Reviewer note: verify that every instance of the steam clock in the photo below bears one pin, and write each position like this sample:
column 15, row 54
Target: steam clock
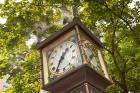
column 72, row 61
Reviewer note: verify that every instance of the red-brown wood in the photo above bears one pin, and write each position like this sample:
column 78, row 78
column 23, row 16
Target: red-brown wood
column 76, row 78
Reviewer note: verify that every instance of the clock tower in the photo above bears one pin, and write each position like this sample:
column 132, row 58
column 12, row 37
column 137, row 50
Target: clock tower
column 72, row 61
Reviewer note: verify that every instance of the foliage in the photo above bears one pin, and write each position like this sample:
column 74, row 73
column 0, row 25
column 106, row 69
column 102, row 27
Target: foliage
column 25, row 76
column 118, row 26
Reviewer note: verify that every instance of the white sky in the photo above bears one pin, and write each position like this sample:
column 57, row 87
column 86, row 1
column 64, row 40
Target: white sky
column 2, row 20
column 32, row 40
column 1, row 1
column 132, row 5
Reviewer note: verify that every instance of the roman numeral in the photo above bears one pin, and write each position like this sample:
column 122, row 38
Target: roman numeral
column 55, row 51
column 52, row 57
column 71, row 46
column 73, row 57
column 51, row 64
column 64, row 69
column 57, row 70
column 73, row 50
column 61, row 46
column 53, row 68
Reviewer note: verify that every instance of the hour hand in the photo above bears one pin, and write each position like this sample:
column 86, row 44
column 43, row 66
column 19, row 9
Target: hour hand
column 58, row 64
column 62, row 57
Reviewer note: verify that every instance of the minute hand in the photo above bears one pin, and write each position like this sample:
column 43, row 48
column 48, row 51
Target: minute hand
column 62, row 57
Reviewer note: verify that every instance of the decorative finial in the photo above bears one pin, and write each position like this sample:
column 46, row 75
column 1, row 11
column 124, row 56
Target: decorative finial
column 64, row 14
column 75, row 13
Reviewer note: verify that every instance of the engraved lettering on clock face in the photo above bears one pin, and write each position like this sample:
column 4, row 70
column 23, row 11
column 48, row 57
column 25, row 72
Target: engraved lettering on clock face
column 62, row 57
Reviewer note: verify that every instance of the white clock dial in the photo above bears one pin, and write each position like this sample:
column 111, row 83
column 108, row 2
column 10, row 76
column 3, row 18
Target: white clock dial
column 62, row 58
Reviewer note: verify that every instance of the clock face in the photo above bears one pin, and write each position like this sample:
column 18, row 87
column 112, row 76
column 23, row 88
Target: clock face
column 92, row 56
column 62, row 58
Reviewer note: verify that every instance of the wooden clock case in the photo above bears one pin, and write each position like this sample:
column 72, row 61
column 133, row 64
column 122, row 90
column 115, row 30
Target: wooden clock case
column 82, row 79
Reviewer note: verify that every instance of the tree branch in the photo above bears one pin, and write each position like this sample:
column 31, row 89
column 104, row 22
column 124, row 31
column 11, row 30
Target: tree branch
column 119, row 16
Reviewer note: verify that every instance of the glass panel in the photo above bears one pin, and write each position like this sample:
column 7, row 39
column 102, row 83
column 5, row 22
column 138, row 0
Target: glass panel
column 64, row 57
column 91, row 51
column 92, row 55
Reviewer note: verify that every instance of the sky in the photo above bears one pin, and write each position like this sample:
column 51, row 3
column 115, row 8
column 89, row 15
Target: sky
column 1, row 1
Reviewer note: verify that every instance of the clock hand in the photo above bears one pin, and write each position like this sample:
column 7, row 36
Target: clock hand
column 62, row 57
column 59, row 63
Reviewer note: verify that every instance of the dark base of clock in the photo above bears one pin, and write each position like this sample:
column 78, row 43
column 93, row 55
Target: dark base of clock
column 83, row 79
